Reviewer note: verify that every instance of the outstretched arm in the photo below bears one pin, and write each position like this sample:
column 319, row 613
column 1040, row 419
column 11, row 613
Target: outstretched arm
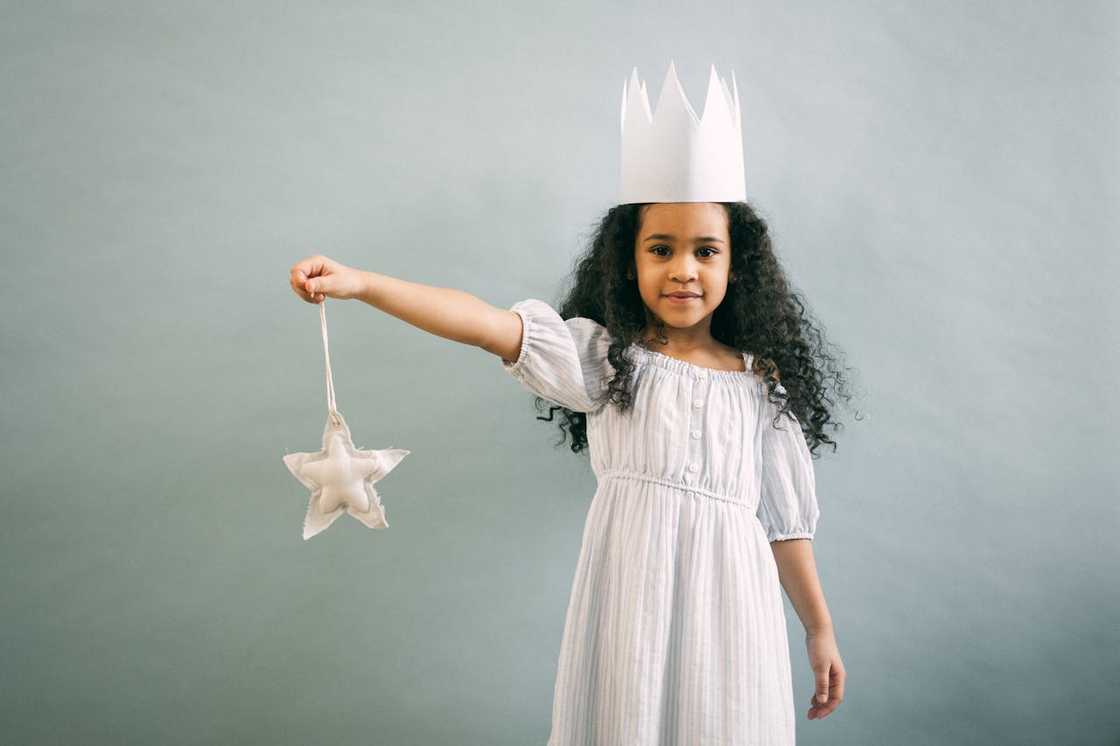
column 446, row 312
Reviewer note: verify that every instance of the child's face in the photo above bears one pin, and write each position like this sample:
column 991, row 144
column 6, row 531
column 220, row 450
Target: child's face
column 683, row 246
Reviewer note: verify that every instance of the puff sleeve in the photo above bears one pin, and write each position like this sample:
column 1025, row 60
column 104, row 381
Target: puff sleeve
column 788, row 503
column 563, row 361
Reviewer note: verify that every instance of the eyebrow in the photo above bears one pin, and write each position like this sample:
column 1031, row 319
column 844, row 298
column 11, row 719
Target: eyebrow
column 670, row 237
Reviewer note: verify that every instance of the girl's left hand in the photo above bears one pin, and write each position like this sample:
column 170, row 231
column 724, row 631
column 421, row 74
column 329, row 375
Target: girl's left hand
column 828, row 670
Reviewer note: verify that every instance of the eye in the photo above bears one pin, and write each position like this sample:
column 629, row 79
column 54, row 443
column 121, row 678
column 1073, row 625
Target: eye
column 702, row 248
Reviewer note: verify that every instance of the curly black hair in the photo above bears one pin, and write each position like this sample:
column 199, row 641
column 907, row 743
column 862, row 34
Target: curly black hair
column 760, row 314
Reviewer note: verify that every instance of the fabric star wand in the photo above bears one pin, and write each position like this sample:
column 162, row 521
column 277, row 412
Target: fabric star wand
column 340, row 476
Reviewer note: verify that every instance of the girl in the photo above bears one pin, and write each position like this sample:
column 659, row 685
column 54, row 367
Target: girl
column 664, row 361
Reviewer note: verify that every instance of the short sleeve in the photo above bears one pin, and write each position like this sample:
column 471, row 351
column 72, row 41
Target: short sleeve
column 563, row 361
column 788, row 503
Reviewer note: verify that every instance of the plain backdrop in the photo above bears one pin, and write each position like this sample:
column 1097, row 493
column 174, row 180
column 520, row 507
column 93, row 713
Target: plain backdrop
column 941, row 180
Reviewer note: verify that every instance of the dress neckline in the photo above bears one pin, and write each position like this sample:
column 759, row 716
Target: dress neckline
column 661, row 360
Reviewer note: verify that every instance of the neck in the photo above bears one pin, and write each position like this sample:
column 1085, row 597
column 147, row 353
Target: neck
column 681, row 340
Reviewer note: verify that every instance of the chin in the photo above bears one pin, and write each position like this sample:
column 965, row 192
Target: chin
column 685, row 317
column 693, row 305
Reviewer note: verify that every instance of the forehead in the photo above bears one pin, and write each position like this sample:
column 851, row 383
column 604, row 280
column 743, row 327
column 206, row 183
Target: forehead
column 684, row 219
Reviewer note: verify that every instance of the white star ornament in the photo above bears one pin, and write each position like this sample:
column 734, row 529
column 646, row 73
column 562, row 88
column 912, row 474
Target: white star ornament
column 341, row 479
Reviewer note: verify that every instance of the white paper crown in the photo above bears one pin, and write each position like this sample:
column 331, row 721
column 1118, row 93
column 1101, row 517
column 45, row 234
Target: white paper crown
column 671, row 155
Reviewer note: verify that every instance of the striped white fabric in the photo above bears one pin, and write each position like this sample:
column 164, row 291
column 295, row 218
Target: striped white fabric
column 675, row 632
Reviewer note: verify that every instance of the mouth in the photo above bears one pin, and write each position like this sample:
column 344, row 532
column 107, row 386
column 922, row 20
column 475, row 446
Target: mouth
column 682, row 297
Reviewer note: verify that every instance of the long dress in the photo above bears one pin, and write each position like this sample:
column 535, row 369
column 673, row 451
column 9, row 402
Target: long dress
column 675, row 633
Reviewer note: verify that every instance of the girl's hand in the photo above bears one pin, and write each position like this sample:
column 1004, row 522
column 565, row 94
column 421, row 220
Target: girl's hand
column 317, row 277
column 828, row 670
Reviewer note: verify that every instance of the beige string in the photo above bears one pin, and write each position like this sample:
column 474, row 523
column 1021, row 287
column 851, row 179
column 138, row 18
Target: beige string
column 332, row 407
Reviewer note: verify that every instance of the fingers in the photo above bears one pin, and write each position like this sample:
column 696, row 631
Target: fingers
column 818, row 710
column 821, row 677
column 318, row 277
column 301, row 274
column 838, row 687
column 321, row 287
column 833, row 691
column 298, row 280
column 313, row 266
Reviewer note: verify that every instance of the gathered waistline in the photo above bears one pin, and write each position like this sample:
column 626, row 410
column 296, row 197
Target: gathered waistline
column 638, row 476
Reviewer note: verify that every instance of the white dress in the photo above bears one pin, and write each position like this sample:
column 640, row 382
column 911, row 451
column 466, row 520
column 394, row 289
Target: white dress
column 675, row 633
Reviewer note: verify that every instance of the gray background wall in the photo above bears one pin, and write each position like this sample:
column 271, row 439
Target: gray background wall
column 941, row 180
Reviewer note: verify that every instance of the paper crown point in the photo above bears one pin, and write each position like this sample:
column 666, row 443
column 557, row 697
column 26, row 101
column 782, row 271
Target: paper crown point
column 670, row 154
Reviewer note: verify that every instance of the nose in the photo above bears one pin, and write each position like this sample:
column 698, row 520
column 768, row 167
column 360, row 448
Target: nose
column 683, row 269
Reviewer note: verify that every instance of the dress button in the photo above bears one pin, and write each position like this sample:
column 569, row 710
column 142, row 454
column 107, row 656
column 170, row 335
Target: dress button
column 698, row 403
column 693, row 467
column 696, row 433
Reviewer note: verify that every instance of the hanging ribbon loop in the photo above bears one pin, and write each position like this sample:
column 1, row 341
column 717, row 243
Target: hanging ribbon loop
column 332, row 407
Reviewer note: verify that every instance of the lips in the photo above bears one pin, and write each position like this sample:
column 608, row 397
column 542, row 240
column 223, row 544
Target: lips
column 684, row 295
